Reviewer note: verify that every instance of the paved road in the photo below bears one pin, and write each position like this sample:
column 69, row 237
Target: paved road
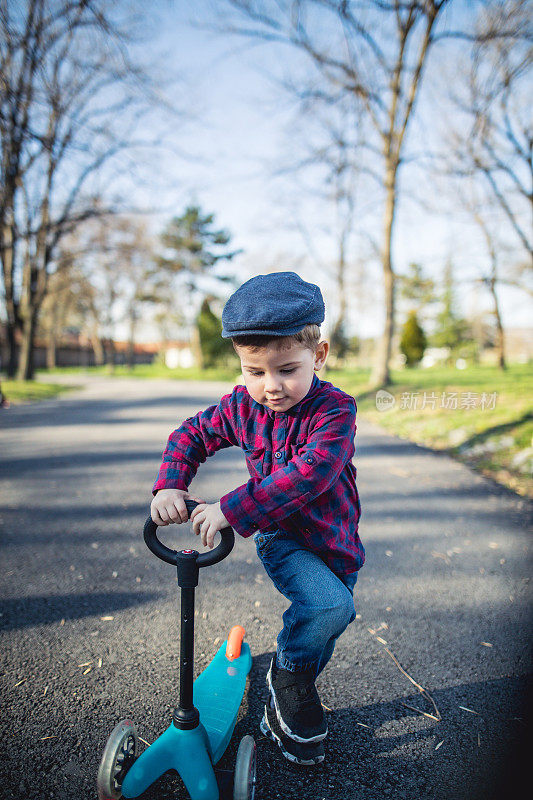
column 89, row 616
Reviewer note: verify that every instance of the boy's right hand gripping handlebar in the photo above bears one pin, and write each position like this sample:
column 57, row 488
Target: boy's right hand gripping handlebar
column 223, row 549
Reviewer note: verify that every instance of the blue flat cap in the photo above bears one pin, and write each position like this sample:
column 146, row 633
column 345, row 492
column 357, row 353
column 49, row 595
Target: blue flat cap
column 279, row 304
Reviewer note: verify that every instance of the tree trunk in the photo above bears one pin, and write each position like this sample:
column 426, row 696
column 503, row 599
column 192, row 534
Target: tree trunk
column 13, row 319
column 500, row 335
column 341, row 286
column 110, row 354
column 34, row 287
column 12, row 363
column 381, row 371
column 98, row 349
column 130, row 355
column 51, row 344
column 25, row 371
column 56, row 325
column 196, row 347
column 28, row 313
column 340, row 324
column 491, row 283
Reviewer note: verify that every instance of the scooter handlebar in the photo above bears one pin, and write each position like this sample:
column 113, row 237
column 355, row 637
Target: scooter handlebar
column 165, row 553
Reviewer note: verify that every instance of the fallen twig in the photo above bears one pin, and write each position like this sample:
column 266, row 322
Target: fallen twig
column 421, row 689
column 419, row 710
column 464, row 708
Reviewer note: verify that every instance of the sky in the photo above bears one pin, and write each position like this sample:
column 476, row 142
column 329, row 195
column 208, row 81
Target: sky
column 238, row 126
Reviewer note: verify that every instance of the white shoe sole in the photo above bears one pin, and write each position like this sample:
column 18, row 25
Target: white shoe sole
column 267, row 731
column 284, row 727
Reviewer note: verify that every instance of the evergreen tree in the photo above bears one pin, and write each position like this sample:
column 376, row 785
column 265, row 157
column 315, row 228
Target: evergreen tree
column 339, row 342
column 213, row 346
column 452, row 330
column 417, row 290
column 413, row 340
column 193, row 246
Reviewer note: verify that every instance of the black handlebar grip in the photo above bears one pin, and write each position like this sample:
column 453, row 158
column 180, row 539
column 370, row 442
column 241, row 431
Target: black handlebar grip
column 165, row 553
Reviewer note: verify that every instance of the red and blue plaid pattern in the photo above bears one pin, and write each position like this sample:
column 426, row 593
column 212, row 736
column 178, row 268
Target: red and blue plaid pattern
column 302, row 479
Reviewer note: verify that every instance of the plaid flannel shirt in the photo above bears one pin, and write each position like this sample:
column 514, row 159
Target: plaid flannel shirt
column 302, row 479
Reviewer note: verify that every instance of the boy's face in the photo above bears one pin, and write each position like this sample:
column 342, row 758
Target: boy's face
column 280, row 378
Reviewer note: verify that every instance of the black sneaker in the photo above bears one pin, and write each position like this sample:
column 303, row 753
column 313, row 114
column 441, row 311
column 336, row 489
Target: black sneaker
column 305, row 754
column 298, row 707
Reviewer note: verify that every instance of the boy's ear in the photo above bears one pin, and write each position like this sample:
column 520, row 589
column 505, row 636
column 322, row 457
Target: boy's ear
column 321, row 355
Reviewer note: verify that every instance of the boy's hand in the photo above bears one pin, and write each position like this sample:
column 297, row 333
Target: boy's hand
column 207, row 519
column 168, row 506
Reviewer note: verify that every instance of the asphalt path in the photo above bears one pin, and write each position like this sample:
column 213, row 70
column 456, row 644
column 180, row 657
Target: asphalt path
column 89, row 625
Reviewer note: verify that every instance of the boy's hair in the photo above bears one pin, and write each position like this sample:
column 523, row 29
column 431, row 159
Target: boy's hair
column 309, row 337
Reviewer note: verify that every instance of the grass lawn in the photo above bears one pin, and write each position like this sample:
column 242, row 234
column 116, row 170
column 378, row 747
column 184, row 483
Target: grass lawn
column 150, row 371
column 30, row 391
column 480, row 415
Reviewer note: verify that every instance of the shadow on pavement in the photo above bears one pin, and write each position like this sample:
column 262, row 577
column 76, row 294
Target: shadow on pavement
column 367, row 745
column 480, row 755
column 84, row 459
column 90, row 411
column 22, row 612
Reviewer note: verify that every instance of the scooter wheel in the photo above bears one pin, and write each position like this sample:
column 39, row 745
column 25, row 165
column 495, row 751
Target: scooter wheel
column 119, row 754
column 244, row 781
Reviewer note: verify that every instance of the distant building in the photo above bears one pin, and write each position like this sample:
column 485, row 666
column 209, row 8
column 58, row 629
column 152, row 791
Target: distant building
column 519, row 345
column 75, row 350
column 179, row 355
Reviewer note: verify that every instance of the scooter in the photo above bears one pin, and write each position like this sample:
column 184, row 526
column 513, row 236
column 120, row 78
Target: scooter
column 203, row 722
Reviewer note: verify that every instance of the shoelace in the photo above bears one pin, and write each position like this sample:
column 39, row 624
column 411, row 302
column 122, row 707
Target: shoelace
column 305, row 697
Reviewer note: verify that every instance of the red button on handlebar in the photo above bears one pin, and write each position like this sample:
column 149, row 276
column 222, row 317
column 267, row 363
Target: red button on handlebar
column 187, row 552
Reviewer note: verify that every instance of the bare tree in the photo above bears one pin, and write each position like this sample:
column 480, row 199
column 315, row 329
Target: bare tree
column 102, row 265
column 59, row 304
column 71, row 102
column 376, row 51
column 490, row 281
column 328, row 140
column 491, row 148
column 71, row 304
column 105, row 274
column 498, row 143
column 135, row 262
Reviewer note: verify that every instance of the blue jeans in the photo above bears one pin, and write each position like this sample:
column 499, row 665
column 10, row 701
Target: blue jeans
column 321, row 603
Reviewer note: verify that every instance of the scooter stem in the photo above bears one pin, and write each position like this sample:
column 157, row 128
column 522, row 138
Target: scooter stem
column 186, row 716
column 188, row 562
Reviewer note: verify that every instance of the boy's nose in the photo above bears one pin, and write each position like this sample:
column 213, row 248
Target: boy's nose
column 272, row 384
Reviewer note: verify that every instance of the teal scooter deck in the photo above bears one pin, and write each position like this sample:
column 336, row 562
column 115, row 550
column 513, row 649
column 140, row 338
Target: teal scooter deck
column 217, row 694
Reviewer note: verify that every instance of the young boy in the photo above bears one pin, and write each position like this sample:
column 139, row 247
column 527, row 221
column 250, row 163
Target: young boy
column 301, row 500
